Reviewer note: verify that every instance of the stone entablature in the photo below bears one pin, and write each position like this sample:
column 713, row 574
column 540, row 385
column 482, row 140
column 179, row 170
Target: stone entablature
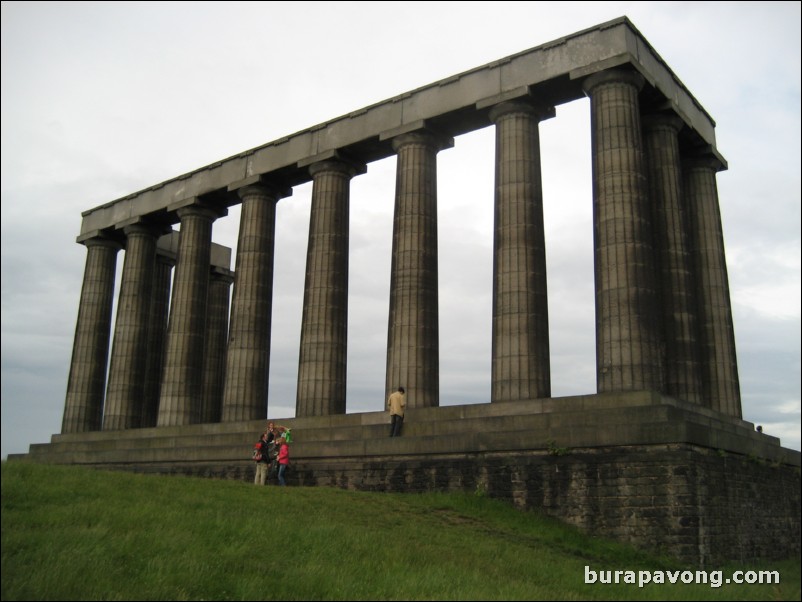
column 552, row 72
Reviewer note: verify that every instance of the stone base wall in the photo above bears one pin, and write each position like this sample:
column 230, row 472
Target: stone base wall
column 640, row 468
column 702, row 506
column 699, row 505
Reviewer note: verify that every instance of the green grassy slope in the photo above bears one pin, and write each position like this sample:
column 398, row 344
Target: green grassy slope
column 74, row 534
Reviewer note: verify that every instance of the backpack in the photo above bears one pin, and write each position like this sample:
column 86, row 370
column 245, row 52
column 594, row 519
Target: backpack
column 256, row 456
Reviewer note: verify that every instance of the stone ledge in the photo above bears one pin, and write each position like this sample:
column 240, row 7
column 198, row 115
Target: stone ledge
column 639, row 418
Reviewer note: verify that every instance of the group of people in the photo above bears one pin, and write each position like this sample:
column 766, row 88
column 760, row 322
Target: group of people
column 272, row 451
column 272, row 454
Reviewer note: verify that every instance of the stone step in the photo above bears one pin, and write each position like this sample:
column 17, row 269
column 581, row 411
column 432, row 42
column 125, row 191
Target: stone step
column 548, row 424
column 515, row 408
column 458, row 422
column 635, row 425
column 454, row 421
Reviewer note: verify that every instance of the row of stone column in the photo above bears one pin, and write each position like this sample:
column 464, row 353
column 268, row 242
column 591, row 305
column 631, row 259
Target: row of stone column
column 663, row 317
column 132, row 395
column 663, row 314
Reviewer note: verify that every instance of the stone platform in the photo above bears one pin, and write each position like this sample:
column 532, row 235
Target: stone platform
column 640, row 467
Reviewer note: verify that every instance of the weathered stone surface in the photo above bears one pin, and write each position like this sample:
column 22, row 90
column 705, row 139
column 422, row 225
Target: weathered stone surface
column 126, row 383
column 678, row 316
column 183, row 371
column 413, row 340
column 717, row 341
column 83, row 408
column 323, row 357
column 627, row 328
column 157, row 336
column 214, row 357
column 521, row 367
column 557, row 67
column 248, row 356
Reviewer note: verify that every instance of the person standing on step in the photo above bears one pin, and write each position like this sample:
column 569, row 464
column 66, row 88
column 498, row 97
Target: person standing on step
column 396, row 404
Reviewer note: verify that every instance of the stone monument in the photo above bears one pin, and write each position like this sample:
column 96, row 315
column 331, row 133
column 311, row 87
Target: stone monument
column 658, row 455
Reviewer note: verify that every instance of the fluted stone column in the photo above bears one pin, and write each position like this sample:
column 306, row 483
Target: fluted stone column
column 681, row 370
column 413, row 357
column 521, row 366
column 157, row 336
column 627, row 330
column 214, row 360
column 248, row 359
column 83, row 407
column 126, row 386
column 324, row 329
column 717, row 348
column 180, row 398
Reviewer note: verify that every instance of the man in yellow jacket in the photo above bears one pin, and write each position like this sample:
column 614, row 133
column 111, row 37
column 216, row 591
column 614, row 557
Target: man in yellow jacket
column 396, row 404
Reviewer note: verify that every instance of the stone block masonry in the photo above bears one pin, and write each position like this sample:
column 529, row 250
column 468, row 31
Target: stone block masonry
column 699, row 505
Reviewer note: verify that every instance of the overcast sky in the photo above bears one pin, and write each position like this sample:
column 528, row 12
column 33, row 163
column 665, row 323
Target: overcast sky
column 100, row 100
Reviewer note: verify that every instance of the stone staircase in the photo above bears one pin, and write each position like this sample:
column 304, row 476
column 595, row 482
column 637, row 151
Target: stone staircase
column 548, row 425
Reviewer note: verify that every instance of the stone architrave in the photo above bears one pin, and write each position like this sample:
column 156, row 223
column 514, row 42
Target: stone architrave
column 126, row 385
column 681, row 371
column 413, row 356
column 179, row 402
column 717, row 338
column 322, row 366
column 521, row 366
column 248, row 357
column 627, row 330
column 83, row 407
column 214, row 358
column 157, row 334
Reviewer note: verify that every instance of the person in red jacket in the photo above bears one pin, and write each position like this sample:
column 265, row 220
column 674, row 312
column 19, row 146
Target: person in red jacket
column 283, row 459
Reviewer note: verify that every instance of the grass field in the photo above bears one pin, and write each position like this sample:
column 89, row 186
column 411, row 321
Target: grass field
column 74, row 534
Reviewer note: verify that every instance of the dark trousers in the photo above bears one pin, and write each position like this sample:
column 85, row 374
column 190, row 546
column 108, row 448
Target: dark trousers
column 395, row 425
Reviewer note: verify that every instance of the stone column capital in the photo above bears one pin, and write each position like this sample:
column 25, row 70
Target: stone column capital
column 198, row 211
column 613, row 76
column 102, row 240
column 219, row 274
column 263, row 189
column 426, row 137
column 144, row 229
column 165, row 258
column 538, row 111
column 703, row 160
column 668, row 120
column 340, row 166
